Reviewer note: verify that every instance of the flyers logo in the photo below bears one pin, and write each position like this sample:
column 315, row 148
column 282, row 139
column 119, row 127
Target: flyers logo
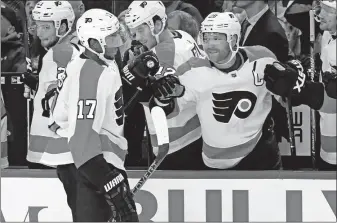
column 61, row 77
column 119, row 106
column 239, row 103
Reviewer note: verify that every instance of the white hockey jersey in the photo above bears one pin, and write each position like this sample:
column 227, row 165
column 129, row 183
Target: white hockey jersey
column 89, row 113
column 328, row 111
column 175, row 53
column 42, row 141
column 232, row 107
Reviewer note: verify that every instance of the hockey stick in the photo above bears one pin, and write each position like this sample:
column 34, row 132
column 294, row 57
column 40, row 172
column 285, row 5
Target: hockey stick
column 160, row 125
column 312, row 76
column 289, row 111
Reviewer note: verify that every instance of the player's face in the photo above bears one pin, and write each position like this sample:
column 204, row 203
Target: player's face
column 216, row 47
column 143, row 34
column 112, row 43
column 327, row 16
column 46, row 32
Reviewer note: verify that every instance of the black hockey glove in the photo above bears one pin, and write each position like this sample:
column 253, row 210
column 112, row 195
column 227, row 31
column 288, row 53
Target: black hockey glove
column 330, row 82
column 137, row 71
column 118, row 195
column 281, row 79
column 305, row 61
column 110, row 182
column 30, row 79
column 135, row 50
column 166, row 88
column 52, row 90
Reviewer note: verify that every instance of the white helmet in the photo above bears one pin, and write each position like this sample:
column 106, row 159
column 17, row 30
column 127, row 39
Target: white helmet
column 224, row 22
column 140, row 12
column 55, row 11
column 318, row 6
column 97, row 24
column 330, row 3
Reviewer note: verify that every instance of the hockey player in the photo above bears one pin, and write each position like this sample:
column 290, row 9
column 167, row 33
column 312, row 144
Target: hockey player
column 54, row 20
column 89, row 113
column 230, row 97
column 321, row 96
column 147, row 22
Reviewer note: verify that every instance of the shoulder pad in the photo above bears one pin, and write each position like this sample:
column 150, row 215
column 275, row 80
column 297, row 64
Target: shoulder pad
column 253, row 53
column 62, row 54
column 166, row 52
column 193, row 62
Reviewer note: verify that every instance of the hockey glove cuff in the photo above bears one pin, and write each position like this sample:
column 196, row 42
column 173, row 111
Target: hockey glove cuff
column 167, row 88
column 135, row 50
column 112, row 184
column 138, row 70
column 281, row 78
column 330, row 82
column 30, row 79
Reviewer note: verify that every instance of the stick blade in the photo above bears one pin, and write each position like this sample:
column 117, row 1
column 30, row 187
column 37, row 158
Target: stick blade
column 160, row 125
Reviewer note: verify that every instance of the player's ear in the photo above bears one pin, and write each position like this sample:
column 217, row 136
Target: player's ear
column 94, row 44
column 234, row 42
column 158, row 26
column 63, row 27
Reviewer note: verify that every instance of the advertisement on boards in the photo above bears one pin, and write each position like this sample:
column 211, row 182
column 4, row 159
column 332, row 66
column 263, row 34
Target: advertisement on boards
column 301, row 124
column 185, row 200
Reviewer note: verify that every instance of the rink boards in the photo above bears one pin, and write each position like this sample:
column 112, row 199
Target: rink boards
column 203, row 196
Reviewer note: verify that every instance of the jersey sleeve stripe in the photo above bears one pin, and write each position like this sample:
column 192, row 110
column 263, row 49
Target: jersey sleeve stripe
column 85, row 143
column 62, row 54
column 176, row 133
column 221, row 158
column 329, row 105
column 258, row 52
column 194, row 62
column 109, row 146
column 166, row 52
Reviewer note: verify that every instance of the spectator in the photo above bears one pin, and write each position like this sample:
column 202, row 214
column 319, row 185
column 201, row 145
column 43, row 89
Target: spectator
column 293, row 33
column 180, row 20
column 173, row 5
column 297, row 14
column 79, row 9
column 125, row 33
column 261, row 27
column 35, row 50
column 12, row 49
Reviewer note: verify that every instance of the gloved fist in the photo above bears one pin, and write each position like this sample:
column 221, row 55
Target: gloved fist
column 135, row 50
column 167, row 88
column 137, row 71
column 330, row 81
column 281, row 79
column 30, row 79
column 119, row 197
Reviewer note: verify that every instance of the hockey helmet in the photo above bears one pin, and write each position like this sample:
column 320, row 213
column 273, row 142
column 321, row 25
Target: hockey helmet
column 223, row 22
column 329, row 3
column 98, row 24
column 55, row 11
column 140, row 12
